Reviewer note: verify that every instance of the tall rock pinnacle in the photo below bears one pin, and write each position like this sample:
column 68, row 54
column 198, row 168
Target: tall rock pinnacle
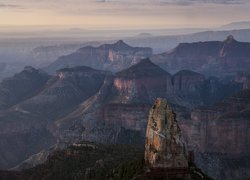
column 165, row 147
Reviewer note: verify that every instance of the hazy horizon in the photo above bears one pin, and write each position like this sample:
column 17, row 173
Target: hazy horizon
column 121, row 14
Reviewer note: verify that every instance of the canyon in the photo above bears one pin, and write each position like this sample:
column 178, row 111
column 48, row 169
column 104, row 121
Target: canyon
column 110, row 104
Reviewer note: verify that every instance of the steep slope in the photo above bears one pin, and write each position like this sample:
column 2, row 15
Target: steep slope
column 113, row 57
column 67, row 89
column 213, row 57
column 21, row 86
column 26, row 124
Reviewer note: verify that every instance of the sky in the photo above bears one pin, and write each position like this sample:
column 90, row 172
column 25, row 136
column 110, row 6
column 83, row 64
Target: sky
column 123, row 14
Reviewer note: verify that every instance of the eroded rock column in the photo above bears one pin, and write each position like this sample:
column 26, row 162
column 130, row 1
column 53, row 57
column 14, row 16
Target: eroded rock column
column 165, row 147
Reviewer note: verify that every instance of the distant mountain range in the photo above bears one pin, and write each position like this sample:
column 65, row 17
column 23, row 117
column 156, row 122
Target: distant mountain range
column 236, row 25
column 211, row 58
column 164, row 43
column 113, row 57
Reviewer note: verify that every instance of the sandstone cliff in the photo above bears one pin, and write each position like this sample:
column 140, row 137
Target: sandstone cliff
column 165, row 147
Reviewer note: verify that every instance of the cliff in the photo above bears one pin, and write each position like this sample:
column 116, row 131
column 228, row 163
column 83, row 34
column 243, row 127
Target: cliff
column 165, row 147
column 142, row 82
column 221, row 125
column 219, row 134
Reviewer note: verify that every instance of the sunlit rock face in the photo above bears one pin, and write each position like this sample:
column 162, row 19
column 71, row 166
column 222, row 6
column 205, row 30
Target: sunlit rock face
column 142, row 82
column 165, row 147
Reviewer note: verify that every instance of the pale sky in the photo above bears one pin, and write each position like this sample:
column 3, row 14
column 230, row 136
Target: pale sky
column 119, row 14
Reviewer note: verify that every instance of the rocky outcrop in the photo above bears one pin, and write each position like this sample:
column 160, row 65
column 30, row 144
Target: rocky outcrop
column 212, row 58
column 165, row 147
column 112, row 57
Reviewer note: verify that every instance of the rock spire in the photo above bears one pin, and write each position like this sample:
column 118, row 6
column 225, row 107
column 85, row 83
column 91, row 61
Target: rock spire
column 165, row 147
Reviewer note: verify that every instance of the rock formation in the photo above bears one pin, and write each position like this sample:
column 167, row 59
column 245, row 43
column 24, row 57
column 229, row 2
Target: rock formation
column 165, row 147
column 142, row 82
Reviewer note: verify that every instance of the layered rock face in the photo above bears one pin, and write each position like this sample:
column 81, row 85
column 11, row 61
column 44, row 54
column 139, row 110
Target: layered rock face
column 165, row 147
column 145, row 81
column 220, row 135
column 223, row 126
column 212, row 58
column 142, row 82
column 112, row 57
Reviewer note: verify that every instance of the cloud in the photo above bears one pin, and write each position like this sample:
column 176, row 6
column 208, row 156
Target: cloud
column 11, row 6
column 219, row 1
column 174, row 2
